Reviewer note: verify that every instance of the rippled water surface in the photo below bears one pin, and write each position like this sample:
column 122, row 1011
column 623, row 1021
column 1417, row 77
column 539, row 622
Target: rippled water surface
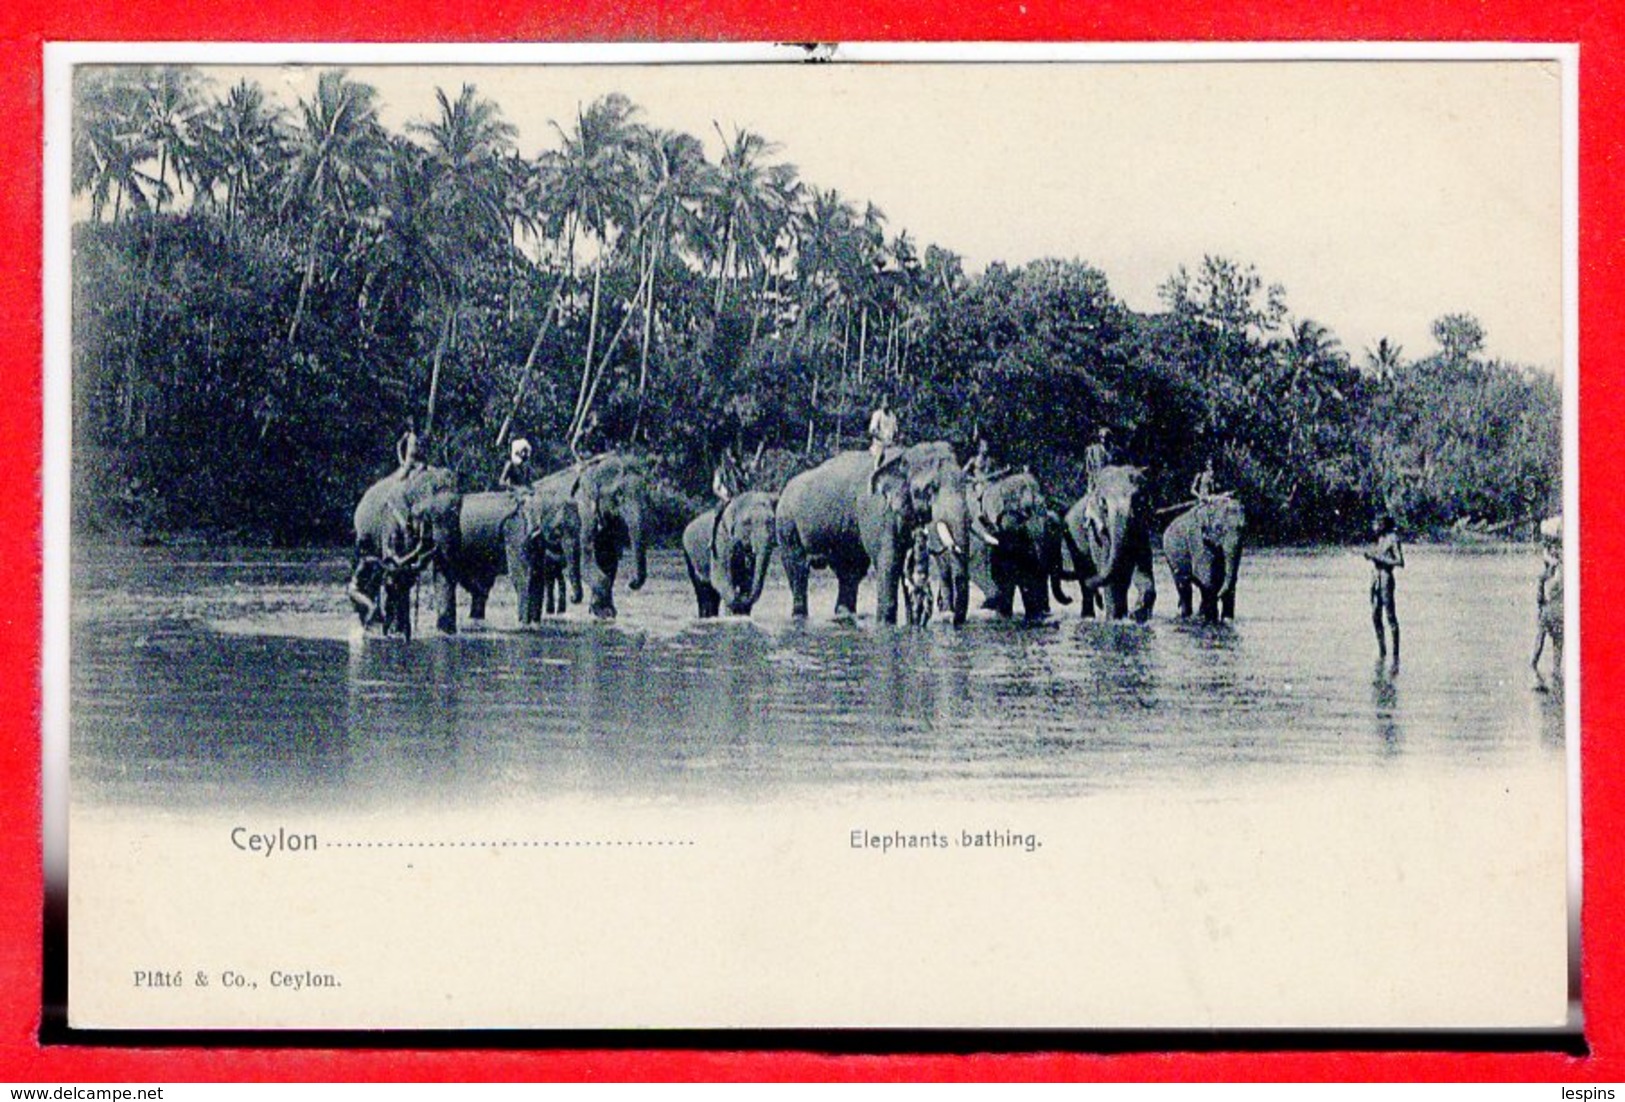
column 208, row 676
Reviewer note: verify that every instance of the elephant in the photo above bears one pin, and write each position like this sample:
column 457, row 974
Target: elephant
column 556, row 558
column 403, row 525
column 850, row 513
column 610, row 493
column 728, row 552
column 1024, row 553
column 1203, row 547
column 1108, row 535
column 530, row 535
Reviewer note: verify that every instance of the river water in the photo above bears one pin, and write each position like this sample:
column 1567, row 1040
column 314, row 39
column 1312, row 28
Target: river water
column 207, row 678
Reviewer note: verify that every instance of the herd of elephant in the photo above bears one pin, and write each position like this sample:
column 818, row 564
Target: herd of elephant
column 565, row 536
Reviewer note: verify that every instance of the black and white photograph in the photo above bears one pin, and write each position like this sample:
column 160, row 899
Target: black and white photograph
column 778, row 537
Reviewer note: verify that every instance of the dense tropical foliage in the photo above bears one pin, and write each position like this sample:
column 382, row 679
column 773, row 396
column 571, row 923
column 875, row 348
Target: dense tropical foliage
column 266, row 298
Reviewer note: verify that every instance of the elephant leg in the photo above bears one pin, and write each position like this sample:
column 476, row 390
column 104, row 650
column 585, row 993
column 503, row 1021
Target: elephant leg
column 1146, row 583
column 398, row 618
column 572, row 567
column 888, row 578
column 708, row 600
column 997, row 599
column 1227, row 605
column 526, row 584
column 796, row 570
column 479, row 591
column 1182, row 588
column 1035, row 596
column 846, row 592
column 446, row 591
column 544, row 588
column 601, row 580
column 700, row 586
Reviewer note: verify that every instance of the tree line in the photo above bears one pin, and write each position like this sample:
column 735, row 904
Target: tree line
column 265, row 298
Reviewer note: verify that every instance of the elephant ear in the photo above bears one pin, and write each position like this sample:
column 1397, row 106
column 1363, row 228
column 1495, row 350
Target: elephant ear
column 924, row 482
column 891, row 481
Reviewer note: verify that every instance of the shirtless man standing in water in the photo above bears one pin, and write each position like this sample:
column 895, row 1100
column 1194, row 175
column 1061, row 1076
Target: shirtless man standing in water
column 1385, row 559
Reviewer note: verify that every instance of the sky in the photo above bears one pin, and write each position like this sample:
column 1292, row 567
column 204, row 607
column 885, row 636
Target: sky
column 1381, row 195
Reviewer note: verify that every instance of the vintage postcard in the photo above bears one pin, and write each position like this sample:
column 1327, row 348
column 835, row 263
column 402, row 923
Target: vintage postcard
column 760, row 537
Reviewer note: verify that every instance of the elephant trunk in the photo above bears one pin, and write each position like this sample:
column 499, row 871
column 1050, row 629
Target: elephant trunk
column 1229, row 554
column 447, row 551
column 365, row 605
column 764, row 553
column 572, row 552
column 953, row 524
column 1115, row 536
column 632, row 514
column 1055, row 589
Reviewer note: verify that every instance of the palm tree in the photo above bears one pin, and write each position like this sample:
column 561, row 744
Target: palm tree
column 867, row 263
column 1310, row 362
column 242, row 141
column 337, row 158
column 823, row 227
column 593, row 180
column 1385, row 360
column 108, row 146
column 468, row 209
column 167, row 110
column 1301, row 375
column 677, row 183
column 751, row 199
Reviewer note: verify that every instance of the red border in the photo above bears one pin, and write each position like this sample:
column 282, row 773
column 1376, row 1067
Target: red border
column 26, row 24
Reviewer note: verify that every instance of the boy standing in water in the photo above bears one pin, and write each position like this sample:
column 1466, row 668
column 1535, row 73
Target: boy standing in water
column 1549, row 601
column 1385, row 559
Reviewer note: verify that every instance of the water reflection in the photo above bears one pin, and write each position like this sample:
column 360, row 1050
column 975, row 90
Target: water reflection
column 252, row 682
column 1385, row 708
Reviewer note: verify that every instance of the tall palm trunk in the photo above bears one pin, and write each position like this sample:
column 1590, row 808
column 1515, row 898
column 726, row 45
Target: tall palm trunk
column 756, row 314
column 812, row 412
column 863, row 342
column 309, row 278
column 446, row 325
column 648, row 334
column 580, row 411
column 603, row 365
column 134, row 414
column 726, row 263
column 548, row 312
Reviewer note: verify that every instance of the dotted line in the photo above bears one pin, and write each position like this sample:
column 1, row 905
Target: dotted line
column 556, row 843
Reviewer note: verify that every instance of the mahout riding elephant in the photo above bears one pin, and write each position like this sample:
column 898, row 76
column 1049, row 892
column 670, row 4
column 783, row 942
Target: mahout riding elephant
column 728, row 552
column 1203, row 548
column 1108, row 531
column 532, row 536
column 611, row 495
column 1017, row 545
column 405, row 524
column 849, row 514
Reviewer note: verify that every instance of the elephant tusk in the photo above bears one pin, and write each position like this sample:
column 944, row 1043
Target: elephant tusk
column 983, row 534
column 947, row 536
